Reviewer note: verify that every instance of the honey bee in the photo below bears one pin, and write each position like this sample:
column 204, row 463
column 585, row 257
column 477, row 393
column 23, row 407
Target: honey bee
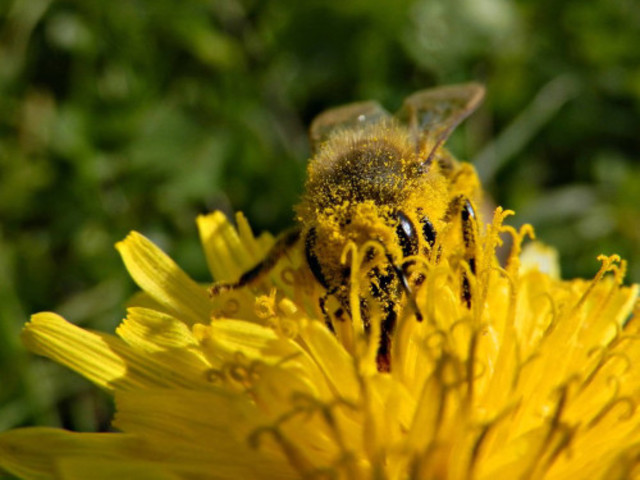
column 385, row 181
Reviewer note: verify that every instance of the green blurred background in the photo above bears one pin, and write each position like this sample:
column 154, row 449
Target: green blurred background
column 142, row 114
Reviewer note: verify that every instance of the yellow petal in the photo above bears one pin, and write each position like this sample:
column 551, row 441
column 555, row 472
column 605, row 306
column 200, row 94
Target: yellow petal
column 226, row 339
column 538, row 256
column 207, row 430
column 334, row 361
column 257, row 246
column 228, row 253
column 163, row 280
column 104, row 359
column 168, row 345
column 204, row 416
column 245, row 355
column 34, row 453
column 93, row 355
column 154, row 331
column 90, row 467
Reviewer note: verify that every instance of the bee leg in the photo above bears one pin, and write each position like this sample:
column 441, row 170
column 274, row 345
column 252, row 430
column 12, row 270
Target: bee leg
column 401, row 275
column 381, row 291
column 462, row 206
column 468, row 217
column 404, row 283
column 388, row 325
column 283, row 244
column 323, row 308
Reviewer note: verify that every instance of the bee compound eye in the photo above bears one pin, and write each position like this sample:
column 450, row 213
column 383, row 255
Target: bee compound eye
column 468, row 213
column 406, row 233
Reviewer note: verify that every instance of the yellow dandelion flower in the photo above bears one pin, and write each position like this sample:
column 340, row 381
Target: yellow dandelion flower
column 540, row 378
column 358, row 347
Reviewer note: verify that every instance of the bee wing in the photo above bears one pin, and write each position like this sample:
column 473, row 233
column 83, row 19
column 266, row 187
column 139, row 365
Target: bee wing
column 434, row 113
column 345, row 117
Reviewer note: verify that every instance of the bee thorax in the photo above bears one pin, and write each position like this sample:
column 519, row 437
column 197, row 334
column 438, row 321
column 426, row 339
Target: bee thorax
column 378, row 165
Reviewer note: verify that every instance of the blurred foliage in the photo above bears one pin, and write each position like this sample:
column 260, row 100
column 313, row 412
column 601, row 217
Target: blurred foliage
column 141, row 114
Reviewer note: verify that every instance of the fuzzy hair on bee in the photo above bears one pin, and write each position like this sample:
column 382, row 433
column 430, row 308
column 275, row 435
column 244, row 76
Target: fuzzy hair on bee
column 385, row 183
